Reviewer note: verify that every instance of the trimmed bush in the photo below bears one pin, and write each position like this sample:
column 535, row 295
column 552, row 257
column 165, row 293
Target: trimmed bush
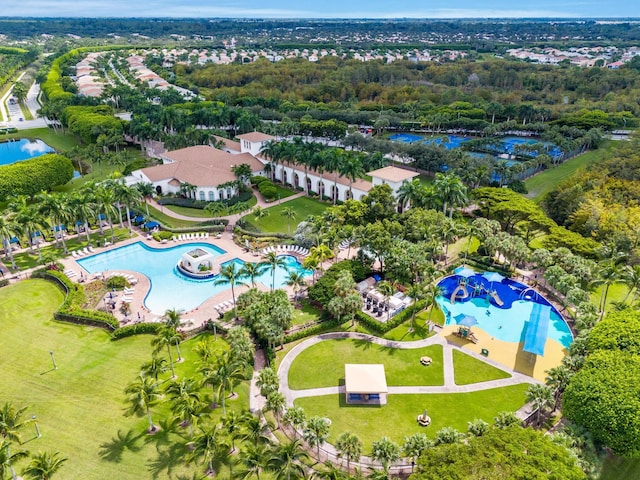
column 258, row 179
column 315, row 330
column 137, row 329
column 243, row 196
column 267, row 236
column 162, row 235
column 118, row 282
column 30, row 177
column 268, row 191
column 323, row 290
column 4, row 282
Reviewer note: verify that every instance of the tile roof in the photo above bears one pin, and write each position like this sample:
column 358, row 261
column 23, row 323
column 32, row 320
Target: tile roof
column 255, row 137
column 202, row 166
column 393, row 174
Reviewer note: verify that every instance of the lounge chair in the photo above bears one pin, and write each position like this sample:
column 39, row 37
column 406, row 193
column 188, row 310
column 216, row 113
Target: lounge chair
column 127, row 299
column 85, row 251
column 80, row 253
column 70, row 273
column 107, row 244
column 74, row 254
column 206, row 235
column 90, row 248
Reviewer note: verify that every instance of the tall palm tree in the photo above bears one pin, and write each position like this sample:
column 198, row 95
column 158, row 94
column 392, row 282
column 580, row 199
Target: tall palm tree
column 608, row 274
column 290, row 214
column 254, row 459
column 417, row 293
column 296, row 280
column 452, row 191
column 259, row 213
column 431, row 293
column 631, row 278
column 44, row 465
column 106, row 201
column 273, row 261
column 558, row 379
column 287, row 462
column 316, row 431
column 410, row 193
column 154, row 367
column 231, row 275
column 252, row 270
column 272, row 150
column 8, row 459
column 10, row 422
column 386, row 452
column 349, row 446
column 322, row 253
column 226, row 374
column 256, row 429
column 334, row 160
column 186, row 403
column 352, row 169
column 166, row 337
column 142, row 395
column 276, row 403
column 172, row 317
column 8, row 229
column 147, row 191
column 210, row 447
column 540, row 397
column 82, row 208
column 129, row 197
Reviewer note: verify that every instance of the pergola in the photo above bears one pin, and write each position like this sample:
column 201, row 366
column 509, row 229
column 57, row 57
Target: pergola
column 365, row 384
column 197, row 260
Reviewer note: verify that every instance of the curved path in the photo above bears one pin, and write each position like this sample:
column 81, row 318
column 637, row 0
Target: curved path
column 449, row 383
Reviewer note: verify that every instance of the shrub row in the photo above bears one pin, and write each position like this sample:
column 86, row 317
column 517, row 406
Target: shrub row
column 136, row 329
column 243, row 196
column 486, row 263
column 314, row 330
column 275, row 235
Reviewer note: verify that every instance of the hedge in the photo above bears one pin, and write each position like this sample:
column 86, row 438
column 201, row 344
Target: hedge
column 315, row 330
column 4, row 282
column 136, row 329
column 243, row 196
column 378, row 326
column 249, row 233
column 31, row 177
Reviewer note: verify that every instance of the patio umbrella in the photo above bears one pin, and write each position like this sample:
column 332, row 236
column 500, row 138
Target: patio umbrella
column 463, row 271
column 466, row 320
column 151, row 225
column 492, row 277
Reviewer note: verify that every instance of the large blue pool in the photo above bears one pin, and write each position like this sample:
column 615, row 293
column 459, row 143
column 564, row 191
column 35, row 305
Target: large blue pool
column 510, row 321
column 23, row 149
column 170, row 289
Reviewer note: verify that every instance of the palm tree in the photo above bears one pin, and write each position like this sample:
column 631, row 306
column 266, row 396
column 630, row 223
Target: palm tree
column 287, row 462
column 147, row 191
column 410, row 193
column 254, row 459
column 272, row 150
column 172, row 318
column 106, row 200
column 608, row 274
column 154, row 367
column 256, row 429
column 290, row 214
column 276, row 404
column 334, row 160
column 631, row 278
column 44, row 465
column 296, row 280
column 540, row 397
column 322, row 253
column 10, row 422
column 226, row 373
column 316, row 432
column 417, row 293
column 142, row 395
column 386, row 452
column 209, row 446
column 558, row 379
column 273, row 261
column 352, row 169
column 166, row 337
column 431, row 293
column 8, row 459
column 186, row 403
column 452, row 191
column 414, row 446
column 387, row 289
column 230, row 274
column 232, row 425
column 252, row 270
column 8, row 229
column 296, row 418
column 259, row 213
column 349, row 446
column 129, row 197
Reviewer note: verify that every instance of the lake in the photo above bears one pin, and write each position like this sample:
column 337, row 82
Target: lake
column 14, row 151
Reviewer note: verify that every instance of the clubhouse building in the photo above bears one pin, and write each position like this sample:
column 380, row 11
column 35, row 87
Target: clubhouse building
column 208, row 172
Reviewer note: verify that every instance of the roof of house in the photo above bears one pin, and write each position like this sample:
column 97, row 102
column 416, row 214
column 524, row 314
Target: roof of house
column 256, row 137
column 230, row 144
column 365, row 378
column 393, row 174
column 202, row 166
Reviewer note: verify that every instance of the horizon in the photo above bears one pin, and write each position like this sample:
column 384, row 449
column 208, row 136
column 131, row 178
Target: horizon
column 330, row 10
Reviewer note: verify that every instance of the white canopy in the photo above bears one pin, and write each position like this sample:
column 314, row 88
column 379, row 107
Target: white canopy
column 365, row 378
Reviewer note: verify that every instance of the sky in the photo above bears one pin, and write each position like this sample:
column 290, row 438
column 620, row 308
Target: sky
column 323, row 9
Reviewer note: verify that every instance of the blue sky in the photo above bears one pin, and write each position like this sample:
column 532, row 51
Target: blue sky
column 322, row 9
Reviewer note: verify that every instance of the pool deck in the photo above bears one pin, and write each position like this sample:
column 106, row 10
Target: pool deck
column 192, row 319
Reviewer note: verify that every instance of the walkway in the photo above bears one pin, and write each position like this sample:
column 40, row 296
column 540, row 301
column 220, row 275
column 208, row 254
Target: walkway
column 449, row 382
column 260, row 203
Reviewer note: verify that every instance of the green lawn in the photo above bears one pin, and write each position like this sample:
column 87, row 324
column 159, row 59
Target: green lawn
column 616, row 293
column 168, row 221
column 80, row 406
column 405, row 333
column 398, row 418
column 275, row 222
column 305, row 314
column 470, row 370
column 437, row 316
column 322, row 365
column 542, row 183
column 283, row 192
column 199, row 212
column 60, row 141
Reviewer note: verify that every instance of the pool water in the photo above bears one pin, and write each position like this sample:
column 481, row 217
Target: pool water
column 23, row 149
column 169, row 289
column 507, row 323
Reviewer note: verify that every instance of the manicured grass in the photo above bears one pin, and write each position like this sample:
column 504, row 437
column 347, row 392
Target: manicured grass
column 275, row 222
column 284, row 192
column 80, row 406
column 437, row 316
column 405, row 333
column 29, row 259
column 168, row 221
column 470, row 370
column 60, row 141
column 322, row 365
column 617, row 292
column 398, row 418
column 200, row 212
column 305, row 314
column 620, row 469
column 542, row 183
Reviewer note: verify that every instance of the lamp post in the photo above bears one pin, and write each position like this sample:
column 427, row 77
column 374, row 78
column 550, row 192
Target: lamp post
column 53, row 360
column 35, row 422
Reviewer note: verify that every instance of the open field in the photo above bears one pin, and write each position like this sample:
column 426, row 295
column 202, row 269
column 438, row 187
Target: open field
column 275, row 222
column 398, row 418
column 402, row 367
column 80, row 406
column 542, row 183
column 467, row 369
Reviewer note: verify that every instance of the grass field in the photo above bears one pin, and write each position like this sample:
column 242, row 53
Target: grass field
column 305, row 314
column 168, row 221
column 402, row 367
column 60, row 141
column 398, row 418
column 620, row 469
column 80, row 406
column 467, row 369
column 275, row 222
column 616, row 293
column 542, row 183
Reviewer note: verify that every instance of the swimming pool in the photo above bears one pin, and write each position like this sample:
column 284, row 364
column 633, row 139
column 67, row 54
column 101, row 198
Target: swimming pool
column 22, row 149
column 169, row 289
column 508, row 322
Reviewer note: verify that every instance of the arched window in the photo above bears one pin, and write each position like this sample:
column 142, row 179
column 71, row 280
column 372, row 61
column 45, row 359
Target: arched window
column 211, row 196
column 220, row 194
column 228, row 192
column 201, row 195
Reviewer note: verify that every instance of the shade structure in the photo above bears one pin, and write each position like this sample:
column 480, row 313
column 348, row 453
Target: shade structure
column 493, row 277
column 57, row 228
column 466, row 320
column 138, row 219
column 465, row 272
column 151, row 225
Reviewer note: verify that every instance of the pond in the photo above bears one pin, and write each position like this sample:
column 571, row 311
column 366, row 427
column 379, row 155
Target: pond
column 17, row 150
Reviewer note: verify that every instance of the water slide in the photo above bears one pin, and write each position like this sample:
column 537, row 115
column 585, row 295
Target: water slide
column 461, row 288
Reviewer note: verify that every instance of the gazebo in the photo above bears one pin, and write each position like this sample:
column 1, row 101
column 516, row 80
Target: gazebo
column 197, row 262
column 365, row 384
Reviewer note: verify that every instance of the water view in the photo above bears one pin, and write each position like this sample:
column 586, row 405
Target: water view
column 14, row 151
